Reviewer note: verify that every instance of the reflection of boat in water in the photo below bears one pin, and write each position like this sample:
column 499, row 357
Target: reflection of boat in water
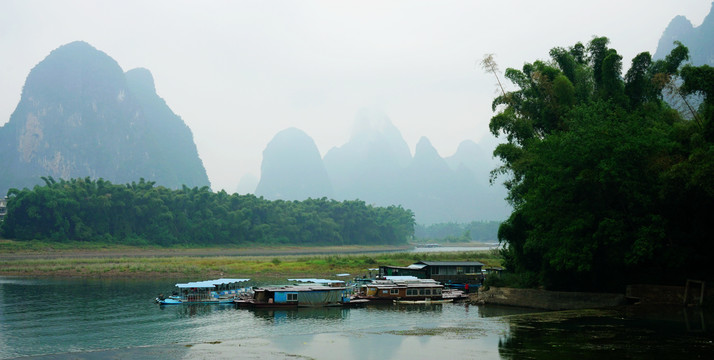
column 219, row 291
column 302, row 313
column 191, row 310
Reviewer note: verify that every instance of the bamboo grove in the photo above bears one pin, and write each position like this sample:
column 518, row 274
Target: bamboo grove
column 144, row 214
column 610, row 176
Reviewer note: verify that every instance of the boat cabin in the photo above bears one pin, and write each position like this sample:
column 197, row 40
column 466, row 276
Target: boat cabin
column 296, row 296
column 325, row 282
column 208, row 291
column 445, row 272
column 401, row 288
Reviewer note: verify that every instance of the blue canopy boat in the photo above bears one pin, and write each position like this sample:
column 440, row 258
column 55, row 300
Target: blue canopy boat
column 219, row 291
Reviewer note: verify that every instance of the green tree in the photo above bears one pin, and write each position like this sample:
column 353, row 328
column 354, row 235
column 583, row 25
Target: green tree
column 602, row 173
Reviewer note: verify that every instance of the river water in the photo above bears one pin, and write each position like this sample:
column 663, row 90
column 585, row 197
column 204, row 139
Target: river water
column 110, row 319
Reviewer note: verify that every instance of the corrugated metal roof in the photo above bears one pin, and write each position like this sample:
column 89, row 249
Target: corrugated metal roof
column 299, row 288
column 451, row 263
column 318, row 281
column 209, row 283
column 401, row 278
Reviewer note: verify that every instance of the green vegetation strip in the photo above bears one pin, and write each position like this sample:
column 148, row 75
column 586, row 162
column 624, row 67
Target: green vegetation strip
column 228, row 266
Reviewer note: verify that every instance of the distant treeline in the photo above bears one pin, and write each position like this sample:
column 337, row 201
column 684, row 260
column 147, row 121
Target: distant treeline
column 144, row 214
column 484, row 231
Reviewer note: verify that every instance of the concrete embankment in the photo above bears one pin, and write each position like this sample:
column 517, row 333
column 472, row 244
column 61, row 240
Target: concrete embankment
column 547, row 300
column 697, row 295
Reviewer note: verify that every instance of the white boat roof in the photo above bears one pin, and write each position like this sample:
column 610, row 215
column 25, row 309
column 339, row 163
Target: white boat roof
column 209, row 283
column 401, row 278
column 317, row 281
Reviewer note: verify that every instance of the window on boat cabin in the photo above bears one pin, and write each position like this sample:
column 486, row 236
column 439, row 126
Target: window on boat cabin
column 421, row 292
column 385, row 291
column 459, row 270
column 427, row 292
column 471, row 270
column 292, row 297
column 412, row 292
column 394, row 291
column 435, row 270
column 437, row 291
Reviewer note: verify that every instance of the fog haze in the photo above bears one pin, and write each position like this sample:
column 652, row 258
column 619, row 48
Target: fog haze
column 238, row 72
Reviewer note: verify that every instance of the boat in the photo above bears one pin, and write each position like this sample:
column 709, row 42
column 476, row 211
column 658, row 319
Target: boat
column 407, row 288
column 218, row 291
column 427, row 301
column 428, row 246
column 314, row 294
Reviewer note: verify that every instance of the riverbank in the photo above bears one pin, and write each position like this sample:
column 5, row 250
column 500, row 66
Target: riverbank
column 546, row 300
column 137, row 262
column 11, row 249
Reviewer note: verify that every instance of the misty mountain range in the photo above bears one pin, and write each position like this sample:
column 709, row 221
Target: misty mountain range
column 80, row 115
column 699, row 40
column 376, row 166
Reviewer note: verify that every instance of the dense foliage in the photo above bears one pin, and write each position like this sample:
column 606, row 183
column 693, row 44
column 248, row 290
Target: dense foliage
column 609, row 184
column 483, row 231
column 141, row 213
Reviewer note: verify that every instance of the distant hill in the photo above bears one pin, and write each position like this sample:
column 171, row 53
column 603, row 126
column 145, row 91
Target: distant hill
column 292, row 169
column 81, row 116
column 369, row 166
column 376, row 166
column 699, row 40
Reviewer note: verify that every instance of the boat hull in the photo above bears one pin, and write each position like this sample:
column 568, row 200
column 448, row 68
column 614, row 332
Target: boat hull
column 182, row 302
column 425, row 302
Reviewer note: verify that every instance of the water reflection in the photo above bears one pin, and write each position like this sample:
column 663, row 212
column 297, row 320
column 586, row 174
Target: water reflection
column 191, row 310
column 83, row 318
column 635, row 332
column 319, row 313
column 488, row 311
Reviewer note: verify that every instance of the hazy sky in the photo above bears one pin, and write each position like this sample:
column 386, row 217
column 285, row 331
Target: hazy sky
column 238, row 72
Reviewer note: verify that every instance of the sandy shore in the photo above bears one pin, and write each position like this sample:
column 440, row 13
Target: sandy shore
column 197, row 252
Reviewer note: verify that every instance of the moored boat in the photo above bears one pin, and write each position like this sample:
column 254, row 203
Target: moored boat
column 293, row 296
column 407, row 288
column 427, row 301
column 219, row 291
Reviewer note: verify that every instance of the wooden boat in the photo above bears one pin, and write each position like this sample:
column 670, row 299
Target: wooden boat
column 219, row 291
column 293, row 296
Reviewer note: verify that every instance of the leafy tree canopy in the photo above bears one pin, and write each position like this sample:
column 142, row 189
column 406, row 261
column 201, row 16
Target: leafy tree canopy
column 142, row 213
column 609, row 184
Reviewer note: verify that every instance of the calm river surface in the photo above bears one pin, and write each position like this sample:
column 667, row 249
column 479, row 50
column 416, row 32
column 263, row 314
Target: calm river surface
column 110, row 319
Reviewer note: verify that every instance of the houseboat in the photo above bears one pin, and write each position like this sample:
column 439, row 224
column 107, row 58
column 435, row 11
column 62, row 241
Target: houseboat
column 402, row 288
column 293, row 296
column 466, row 275
column 219, row 291
column 425, row 301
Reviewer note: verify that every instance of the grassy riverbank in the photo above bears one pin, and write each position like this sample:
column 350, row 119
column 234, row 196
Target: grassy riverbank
column 139, row 262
